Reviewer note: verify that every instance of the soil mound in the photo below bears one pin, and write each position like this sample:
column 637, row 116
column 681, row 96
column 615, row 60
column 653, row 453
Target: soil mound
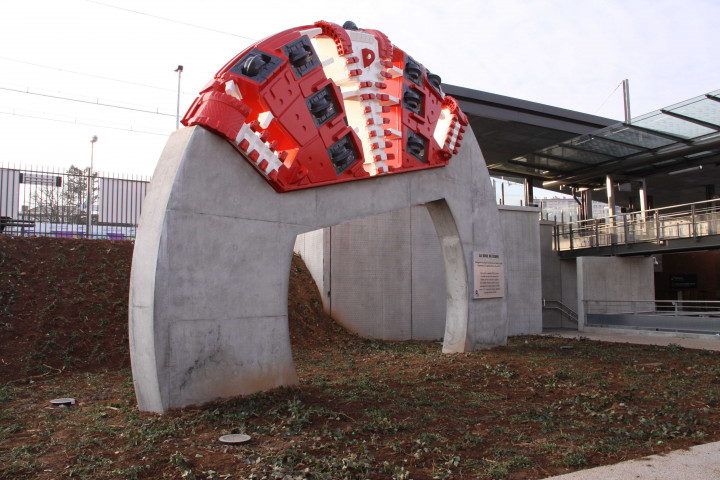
column 64, row 306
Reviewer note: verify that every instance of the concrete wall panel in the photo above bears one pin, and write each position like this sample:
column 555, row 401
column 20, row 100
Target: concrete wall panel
column 428, row 278
column 370, row 276
column 551, row 276
column 310, row 246
column 520, row 227
column 569, row 279
column 614, row 284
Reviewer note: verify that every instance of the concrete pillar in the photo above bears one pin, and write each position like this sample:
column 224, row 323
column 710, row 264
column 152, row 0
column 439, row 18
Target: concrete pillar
column 529, row 200
column 610, row 195
column 587, row 204
column 211, row 265
column 643, row 197
column 611, row 207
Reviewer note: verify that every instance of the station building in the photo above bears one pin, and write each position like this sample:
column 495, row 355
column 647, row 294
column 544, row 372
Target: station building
column 649, row 266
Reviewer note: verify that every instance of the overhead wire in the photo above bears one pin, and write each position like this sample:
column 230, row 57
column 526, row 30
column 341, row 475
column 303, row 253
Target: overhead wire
column 97, row 102
column 76, row 122
column 93, row 76
column 608, row 98
column 171, row 20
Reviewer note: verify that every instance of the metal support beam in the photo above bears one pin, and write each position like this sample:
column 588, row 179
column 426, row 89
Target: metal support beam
column 696, row 121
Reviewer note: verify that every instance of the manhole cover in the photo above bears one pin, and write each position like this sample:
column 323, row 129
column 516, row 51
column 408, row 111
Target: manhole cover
column 566, row 347
column 63, row 402
column 235, row 439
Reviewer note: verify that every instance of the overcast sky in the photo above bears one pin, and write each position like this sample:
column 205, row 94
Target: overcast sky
column 566, row 53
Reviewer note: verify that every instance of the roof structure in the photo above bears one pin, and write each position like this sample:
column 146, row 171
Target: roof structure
column 675, row 150
column 508, row 127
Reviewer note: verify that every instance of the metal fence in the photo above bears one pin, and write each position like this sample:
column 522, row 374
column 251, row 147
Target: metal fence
column 689, row 316
column 690, row 220
column 70, row 203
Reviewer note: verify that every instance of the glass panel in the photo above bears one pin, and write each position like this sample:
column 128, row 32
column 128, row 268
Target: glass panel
column 706, row 110
column 586, row 142
column 552, row 163
column 674, row 126
column 624, row 133
column 516, row 165
column 588, row 158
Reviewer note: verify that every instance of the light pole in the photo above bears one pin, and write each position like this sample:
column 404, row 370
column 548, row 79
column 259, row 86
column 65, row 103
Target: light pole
column 89, row 195
column 177, row 115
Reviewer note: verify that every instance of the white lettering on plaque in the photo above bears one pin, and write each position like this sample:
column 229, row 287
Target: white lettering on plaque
column 489, row 276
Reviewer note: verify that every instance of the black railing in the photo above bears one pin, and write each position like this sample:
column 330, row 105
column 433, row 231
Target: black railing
column 43, row 202
column 690, row 220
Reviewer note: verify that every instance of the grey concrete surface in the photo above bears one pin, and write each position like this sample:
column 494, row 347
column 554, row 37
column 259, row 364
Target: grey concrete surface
column 697, row 463
column 310, row 246
column 686, row 340
column 521, row 231
column 371, row 276
column 551, row 277
column 569, row 282
column 428, row 279
column 604, row 281
column 382, row 289
column 211, row 265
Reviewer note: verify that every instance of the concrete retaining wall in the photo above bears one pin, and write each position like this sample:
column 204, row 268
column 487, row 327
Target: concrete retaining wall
column 614, row 279
column 398, row 293
column 551, row 277
column 311, row 246
column 521, row 231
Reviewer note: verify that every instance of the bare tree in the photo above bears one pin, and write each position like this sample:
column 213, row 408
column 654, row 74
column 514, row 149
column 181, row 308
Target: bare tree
column 66, row 204
column 46, row 204
column 75, row 193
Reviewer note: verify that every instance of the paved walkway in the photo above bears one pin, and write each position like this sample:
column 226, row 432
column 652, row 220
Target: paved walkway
column 702, row 342
column 698, row 463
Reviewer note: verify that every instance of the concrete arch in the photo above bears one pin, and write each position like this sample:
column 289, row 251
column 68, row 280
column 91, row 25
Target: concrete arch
column 209, row 282
column 456, row 278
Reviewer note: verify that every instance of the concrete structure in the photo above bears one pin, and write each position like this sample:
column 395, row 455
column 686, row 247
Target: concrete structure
column 613, row 284
column 399, row 293
column 521, row 231
column 603, row 284
column 208, row 289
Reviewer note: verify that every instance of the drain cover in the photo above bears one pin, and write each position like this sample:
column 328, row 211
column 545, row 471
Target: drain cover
column 63, row 402
column 235, row 439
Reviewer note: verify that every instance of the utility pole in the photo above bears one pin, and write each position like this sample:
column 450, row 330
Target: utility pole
column 626, row 100
column 90, row 182
column 179, row 71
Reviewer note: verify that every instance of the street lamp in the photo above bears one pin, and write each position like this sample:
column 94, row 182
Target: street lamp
column 89, row 195
column 177, row 115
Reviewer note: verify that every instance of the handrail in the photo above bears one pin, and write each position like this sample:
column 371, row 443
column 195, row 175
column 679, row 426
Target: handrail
column 564, row 309
column 690, row 220
column 650, row 307
column 684, row 209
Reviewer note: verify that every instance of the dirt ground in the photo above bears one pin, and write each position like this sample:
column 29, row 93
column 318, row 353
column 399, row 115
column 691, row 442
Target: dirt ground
column 363, row 409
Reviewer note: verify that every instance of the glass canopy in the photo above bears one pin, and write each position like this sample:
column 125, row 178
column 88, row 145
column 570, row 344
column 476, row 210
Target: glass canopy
column 682, row 134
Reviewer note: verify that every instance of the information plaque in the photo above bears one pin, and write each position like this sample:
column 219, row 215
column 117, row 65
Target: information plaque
column 489, row 276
